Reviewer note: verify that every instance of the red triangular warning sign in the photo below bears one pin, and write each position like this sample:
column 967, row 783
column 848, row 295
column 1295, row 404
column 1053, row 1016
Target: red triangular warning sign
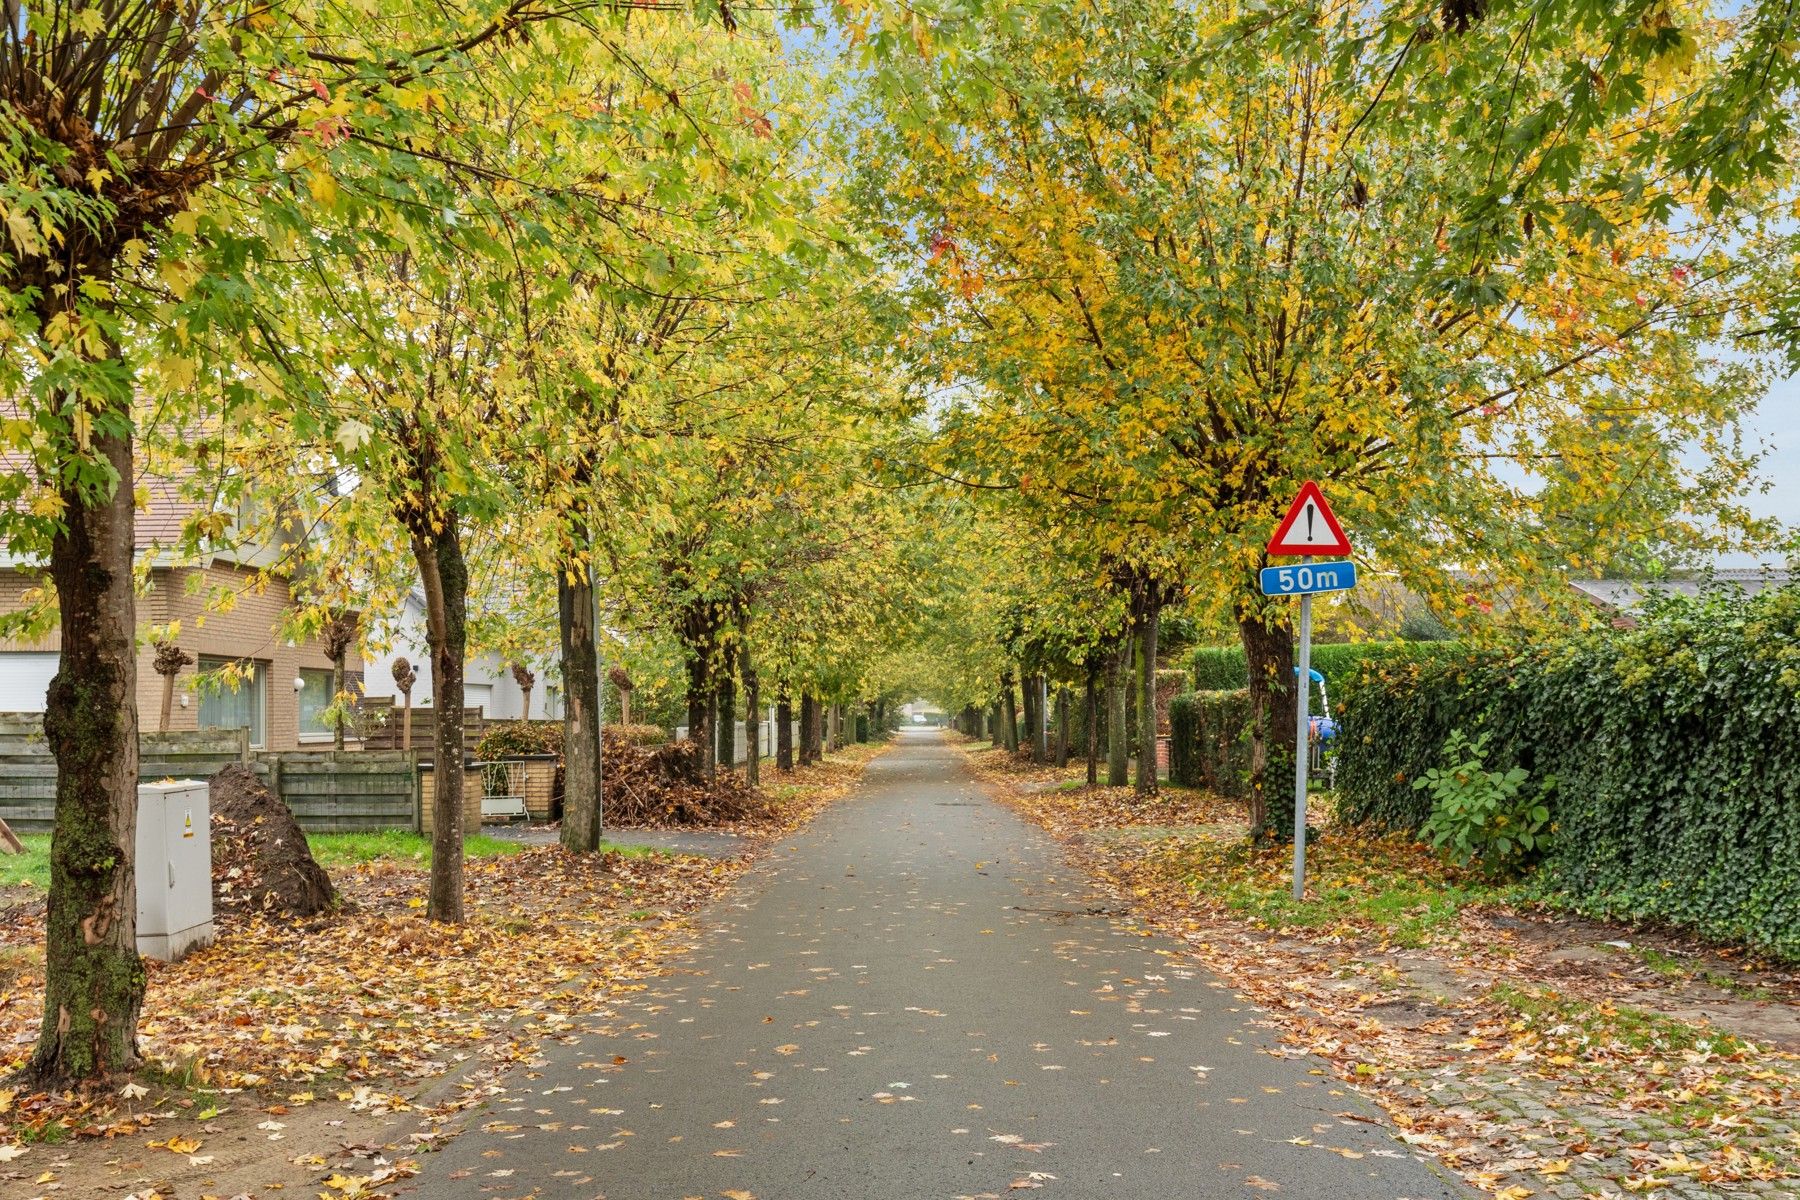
column 1309, row 527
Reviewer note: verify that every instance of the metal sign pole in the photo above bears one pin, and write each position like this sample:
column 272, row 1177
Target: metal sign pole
column 1303, row 681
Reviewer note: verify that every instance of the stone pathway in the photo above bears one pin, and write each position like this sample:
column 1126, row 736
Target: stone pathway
column 914, row 998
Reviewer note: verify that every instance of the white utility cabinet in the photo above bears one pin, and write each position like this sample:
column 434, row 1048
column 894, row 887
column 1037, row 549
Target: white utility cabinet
column 174, row 868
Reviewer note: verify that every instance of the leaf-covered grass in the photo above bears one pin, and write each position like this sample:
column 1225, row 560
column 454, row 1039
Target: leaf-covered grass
column 31, row 867
column 1390, row 887
column 395, row 845
column 1582, row 1027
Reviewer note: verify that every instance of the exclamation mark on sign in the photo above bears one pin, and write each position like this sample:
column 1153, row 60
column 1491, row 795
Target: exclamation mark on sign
column 1311, row 508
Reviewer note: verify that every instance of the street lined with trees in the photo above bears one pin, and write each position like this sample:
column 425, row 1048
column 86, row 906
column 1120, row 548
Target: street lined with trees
column 702, row 363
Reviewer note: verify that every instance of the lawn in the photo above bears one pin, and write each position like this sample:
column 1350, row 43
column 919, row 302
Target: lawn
column 335, row 850
column 31, row 867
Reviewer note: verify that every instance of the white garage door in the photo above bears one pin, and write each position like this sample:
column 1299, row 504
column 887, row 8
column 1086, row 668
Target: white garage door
column 24, row 678
column 479, row 694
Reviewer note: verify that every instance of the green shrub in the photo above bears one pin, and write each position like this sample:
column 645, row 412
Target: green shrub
column 513, row 738
column 1483, row 816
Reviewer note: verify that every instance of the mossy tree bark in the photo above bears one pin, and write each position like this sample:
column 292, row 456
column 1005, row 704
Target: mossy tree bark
column 1146, row 772
column 1062, row 725
column 1092, row 711
column 726, row 712
column 1269, row 650
column 752, row 714
column 1118, row 739
column 94, row 980
column 445, row 579
column 1009, row 715
column 583, row 812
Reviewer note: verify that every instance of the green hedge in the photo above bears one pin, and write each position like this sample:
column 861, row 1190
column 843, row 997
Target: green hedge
column 1184, row 740
column 1223, row 668
column 1676, row 749
column 1209, row 741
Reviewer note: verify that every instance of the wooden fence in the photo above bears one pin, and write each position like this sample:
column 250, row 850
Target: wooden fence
column 379, row 722
column 28, row 773
column 327, row 791
column 343, row 791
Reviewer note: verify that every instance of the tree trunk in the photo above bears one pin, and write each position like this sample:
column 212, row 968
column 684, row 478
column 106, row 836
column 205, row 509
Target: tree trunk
column 1118, row 741
column 993, row 719
column 1026, row 742
column 837, row 726
column 809, row 720
column 1040, row 723
column 699, row 702
column 94, row 980
column 168, row 703
column 406, row 722
column 583, row 816
column 784, row 732
column 337, row 700
column 752, row 712
column 1093, row 724
column 525, row 712
column 1269, row 650
column 445, row 577
column 1062, row 726
column 727, row 716
column 624, row 706
column 1009, row 709
column 1146, row 772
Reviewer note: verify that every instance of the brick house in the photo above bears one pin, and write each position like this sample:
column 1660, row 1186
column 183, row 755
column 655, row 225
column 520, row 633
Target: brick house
column 280, row 685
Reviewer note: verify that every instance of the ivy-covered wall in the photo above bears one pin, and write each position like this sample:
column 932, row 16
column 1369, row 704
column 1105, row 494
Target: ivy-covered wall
column 1675, row 748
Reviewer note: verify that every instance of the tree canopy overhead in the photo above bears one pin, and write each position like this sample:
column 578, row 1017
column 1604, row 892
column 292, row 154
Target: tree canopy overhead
column 828, row 357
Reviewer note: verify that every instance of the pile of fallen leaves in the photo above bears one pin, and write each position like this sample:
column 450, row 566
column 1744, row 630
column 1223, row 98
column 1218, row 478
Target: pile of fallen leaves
column 660, row 787
column 261, row 860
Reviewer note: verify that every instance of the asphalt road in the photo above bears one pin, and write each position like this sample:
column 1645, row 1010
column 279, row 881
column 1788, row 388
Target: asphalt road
column 914, row 998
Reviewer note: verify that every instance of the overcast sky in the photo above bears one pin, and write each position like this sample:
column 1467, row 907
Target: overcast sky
column 1776, row 426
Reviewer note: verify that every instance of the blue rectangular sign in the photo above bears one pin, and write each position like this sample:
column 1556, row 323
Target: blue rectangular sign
column 1307, row 578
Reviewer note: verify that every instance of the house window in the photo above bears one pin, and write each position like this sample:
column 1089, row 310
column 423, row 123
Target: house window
column 236, row 697
column 315, row 698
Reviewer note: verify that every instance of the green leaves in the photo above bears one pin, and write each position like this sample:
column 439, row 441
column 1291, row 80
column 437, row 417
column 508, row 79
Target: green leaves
column 1484, row 816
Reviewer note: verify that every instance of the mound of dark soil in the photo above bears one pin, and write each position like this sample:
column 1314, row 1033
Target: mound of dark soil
column 261, row 862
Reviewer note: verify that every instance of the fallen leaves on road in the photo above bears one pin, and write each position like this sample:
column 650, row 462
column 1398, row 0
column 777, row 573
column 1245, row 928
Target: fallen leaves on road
column 365, row 1003
column 1492, row 1045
